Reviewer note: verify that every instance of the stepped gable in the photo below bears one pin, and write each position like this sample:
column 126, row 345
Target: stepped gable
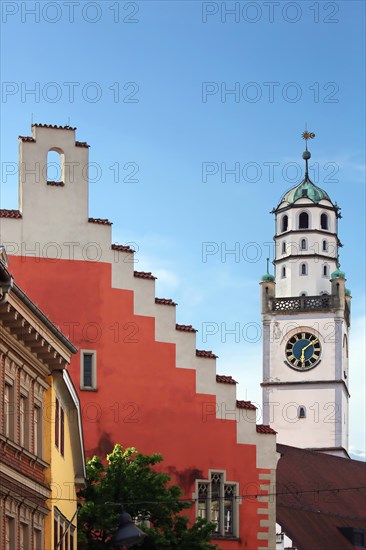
column 246, row 405
column 207, row 354
column 4, row 213
column 185, row 328
column 223, row 379
column 149, row 345
column 165, row 301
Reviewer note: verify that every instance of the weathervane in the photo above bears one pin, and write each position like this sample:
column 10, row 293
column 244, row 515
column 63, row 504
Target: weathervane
column 306, row 154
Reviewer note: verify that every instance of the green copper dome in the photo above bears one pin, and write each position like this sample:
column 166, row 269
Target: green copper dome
column 267, row 278
column 348, row 292
column 338, row 274
column 306, row 189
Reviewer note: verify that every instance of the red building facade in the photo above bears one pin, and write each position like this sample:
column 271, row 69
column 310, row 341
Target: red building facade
column 141, row 381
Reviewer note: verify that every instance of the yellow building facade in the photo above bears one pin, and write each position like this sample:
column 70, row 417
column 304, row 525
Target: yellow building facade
column 41, row 444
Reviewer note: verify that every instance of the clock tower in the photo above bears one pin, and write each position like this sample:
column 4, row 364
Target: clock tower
column 306, row 317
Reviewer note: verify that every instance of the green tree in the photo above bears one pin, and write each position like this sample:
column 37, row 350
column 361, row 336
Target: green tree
column 129, row 478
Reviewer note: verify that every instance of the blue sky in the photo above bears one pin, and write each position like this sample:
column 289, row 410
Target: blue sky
column 148, row 86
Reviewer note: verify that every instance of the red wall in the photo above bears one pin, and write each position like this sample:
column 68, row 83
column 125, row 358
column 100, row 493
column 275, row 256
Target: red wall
column 142, row 399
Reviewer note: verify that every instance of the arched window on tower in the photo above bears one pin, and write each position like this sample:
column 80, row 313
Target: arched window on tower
column 284, row 247
column 303, row 244
column 325, row 246
column 303, row 293
column 303, row 269
column 301, row 411
column 324, row 221
column 283, row 272
column 55, row 164
column 325, row 271
column 304, row 220
column 284, row 223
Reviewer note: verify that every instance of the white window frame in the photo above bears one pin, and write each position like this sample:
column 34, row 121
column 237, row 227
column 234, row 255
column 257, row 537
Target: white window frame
column 94, row 385
column 236, row 503
column 309, row 220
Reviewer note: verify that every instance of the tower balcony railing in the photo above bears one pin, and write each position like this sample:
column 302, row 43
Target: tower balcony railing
column 323, row 302
column 303, row 303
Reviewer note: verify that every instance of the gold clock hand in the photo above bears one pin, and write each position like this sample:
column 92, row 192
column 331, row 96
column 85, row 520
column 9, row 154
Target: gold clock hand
column 310, row 344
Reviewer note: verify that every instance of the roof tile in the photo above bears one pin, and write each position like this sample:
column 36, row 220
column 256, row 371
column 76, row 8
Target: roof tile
column 122, row 248
column 246, row 405
column 264, row 429
column 56, row 183
column 317, row 495
column 165, row 301
column 99, row 220
column 185, row 328
column 144, row 275
column 204, row 353
column 27, row 138
column 54, row 126
column 81, row 144
column 4, row 213
column 223, row 379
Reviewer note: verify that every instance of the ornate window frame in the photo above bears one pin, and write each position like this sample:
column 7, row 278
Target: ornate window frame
column 225, row 487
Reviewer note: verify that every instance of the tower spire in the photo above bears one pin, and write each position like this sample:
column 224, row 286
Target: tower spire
column 306, row 154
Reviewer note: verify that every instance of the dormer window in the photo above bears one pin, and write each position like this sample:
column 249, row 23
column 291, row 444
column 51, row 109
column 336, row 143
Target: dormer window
column 304, row 193
column 304, row 220
column 324, row 222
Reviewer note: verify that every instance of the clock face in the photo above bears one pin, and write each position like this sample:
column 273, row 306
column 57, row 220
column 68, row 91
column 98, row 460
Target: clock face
column 303, row 351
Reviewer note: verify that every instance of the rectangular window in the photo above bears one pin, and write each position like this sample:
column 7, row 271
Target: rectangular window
column 57, row 422
column 37, row 423
column 59, row 427
column 23, row 537
column 55, row 532
column 62, row 431
column 9, row 533
column 23, row 422
column 88, row 371
column 37, row 539
column 217, row 503
column 9, row 411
